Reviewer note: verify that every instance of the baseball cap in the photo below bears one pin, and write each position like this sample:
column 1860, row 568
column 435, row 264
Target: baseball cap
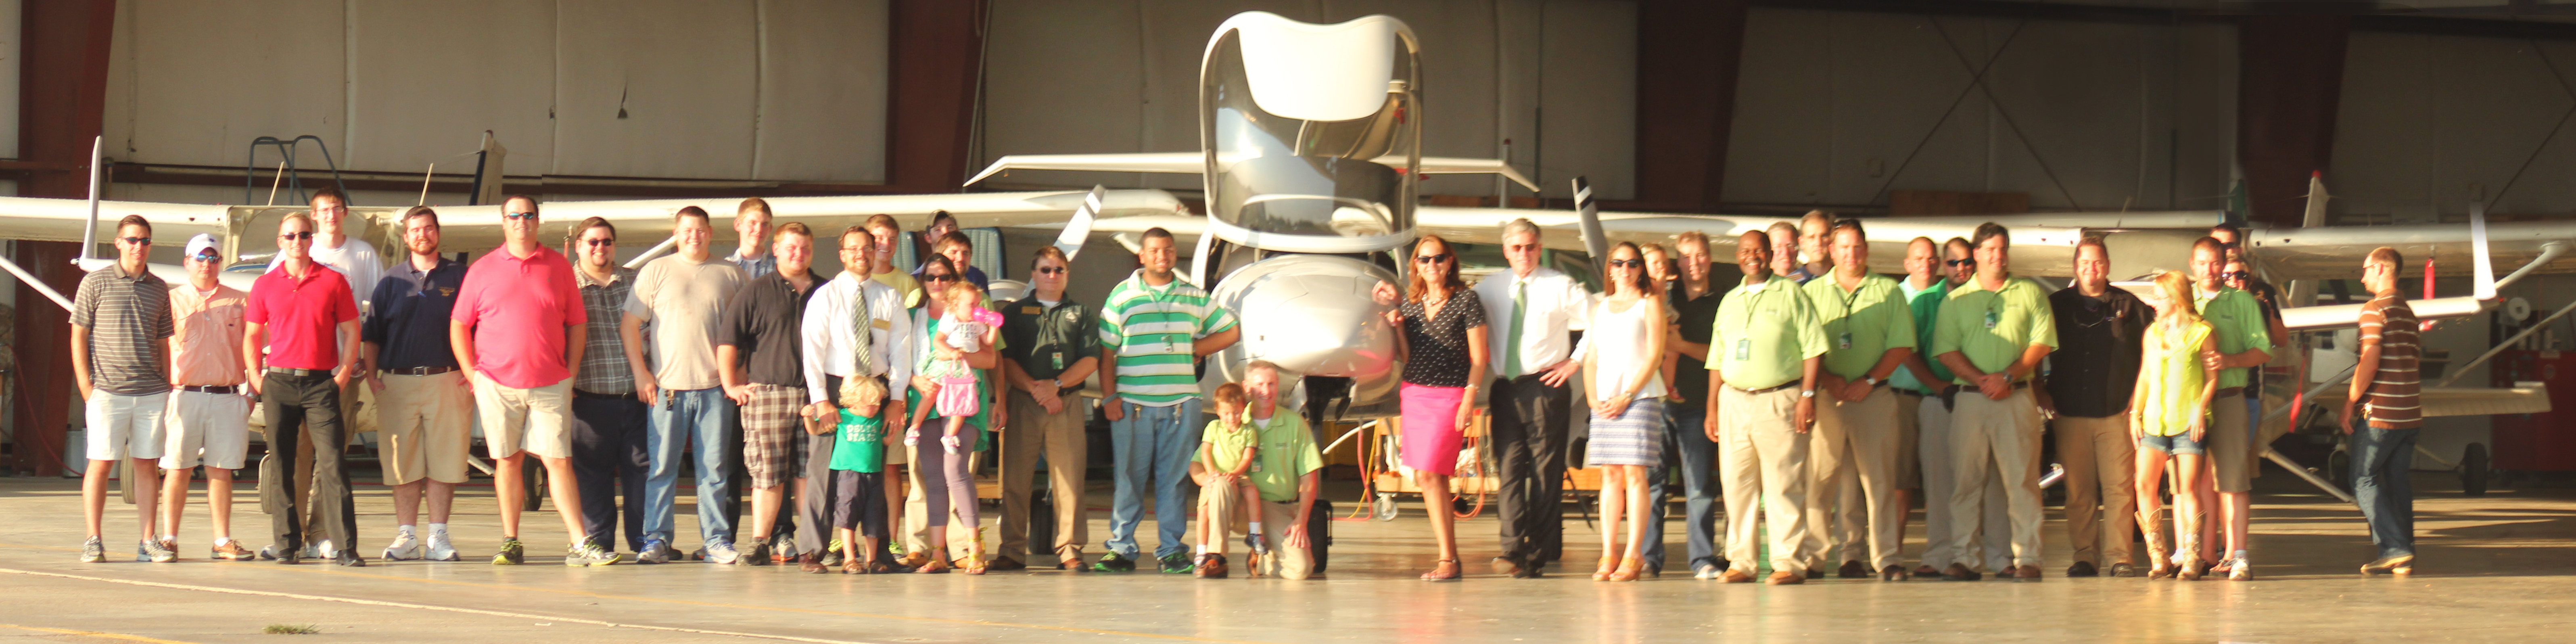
column 201, row 243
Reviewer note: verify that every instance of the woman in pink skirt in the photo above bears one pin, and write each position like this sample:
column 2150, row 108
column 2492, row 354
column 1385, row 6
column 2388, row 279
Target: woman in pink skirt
column 1442, row 344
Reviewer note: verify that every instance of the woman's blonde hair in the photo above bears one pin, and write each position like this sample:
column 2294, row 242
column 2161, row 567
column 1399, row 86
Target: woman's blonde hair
column 2176, row 288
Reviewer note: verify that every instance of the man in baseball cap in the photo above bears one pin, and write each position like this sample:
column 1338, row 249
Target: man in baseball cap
column 210, row 418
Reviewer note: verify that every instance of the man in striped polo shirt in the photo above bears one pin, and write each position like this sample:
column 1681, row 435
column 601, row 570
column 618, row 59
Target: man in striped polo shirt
column 2385, row 385
column 1153, row 330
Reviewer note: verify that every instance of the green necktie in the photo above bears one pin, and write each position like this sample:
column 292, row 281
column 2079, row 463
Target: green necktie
column 1512, row 338
column 862, row 349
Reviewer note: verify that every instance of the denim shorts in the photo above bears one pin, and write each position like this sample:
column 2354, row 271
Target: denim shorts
column 2175, row 444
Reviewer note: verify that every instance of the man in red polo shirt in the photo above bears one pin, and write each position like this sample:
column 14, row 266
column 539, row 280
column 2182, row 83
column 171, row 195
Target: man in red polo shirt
column 520, row 324
column 304, row 315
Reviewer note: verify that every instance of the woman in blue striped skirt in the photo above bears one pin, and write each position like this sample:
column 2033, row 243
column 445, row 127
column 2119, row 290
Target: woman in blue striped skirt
column 1621, row 353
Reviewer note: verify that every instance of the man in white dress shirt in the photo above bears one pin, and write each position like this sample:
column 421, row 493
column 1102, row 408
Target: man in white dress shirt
column 1532, row 307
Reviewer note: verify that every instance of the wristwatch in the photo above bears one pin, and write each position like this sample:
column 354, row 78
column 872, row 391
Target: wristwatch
column 1806, row 393
column 1872, row 380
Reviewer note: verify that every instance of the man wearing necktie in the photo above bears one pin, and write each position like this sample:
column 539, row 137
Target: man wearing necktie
column 1534, row 306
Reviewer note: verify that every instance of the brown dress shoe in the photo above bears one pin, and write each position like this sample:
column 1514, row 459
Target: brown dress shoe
column 1211, row 566
column 1005, row 563
column 1853, row 570
column 1734, row 576
column 811, row 562
column 1926, row 571
column 1509, row 567
column 2008, row 572
column 1784, row 578
column 2026, row 573
column 1893, row 573
column 1957, row 572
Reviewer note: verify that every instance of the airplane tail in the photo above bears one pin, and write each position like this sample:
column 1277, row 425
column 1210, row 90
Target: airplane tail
column 1595, row 241
column 89, row 235
column 2482, row 266
column 1078, row 228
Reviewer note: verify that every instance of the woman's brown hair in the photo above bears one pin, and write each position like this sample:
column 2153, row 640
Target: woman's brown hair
column 1414, row 284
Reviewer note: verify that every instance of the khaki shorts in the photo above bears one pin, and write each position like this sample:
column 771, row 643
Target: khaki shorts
column 428, row 427
column 2230, row 444
column 209, row 429
column 538, row 421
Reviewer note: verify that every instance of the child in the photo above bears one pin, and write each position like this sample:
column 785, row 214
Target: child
column 1226, row 457
column 858, row 479
column 963, row 328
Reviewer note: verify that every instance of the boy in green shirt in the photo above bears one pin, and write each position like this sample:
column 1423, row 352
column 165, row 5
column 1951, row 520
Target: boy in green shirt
column 1224, row 464
column 858, row 477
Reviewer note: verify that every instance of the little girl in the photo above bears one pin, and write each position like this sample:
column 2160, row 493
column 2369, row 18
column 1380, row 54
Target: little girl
column 963, row 329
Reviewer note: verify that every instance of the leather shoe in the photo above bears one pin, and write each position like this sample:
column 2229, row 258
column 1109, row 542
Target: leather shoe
column 2008, row 572
column 811, row 562
column 1853, row 570
column 1509, row 567
column 2123, row 569
column 1926, row 571
column 1958, row 572
column 1211, row 566
column 2083, row 569
column 1893, row 573
column 1006, row 563
column 2026, row 573
column 1784, row 578
column 1734, row 576
column 347, row 557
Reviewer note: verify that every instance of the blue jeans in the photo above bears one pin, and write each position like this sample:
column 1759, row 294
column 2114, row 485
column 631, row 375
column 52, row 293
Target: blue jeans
column 1153, row 444
column 2380, row 458
column 710, row 421
column 1686, row 446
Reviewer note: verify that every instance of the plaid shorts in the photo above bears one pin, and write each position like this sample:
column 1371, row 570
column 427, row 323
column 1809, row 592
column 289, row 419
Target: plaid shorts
column 772, row 440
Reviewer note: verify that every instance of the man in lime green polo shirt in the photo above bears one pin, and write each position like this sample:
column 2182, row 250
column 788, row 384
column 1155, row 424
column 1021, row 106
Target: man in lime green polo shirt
column 1764, row 353
column 1869, row 332
column 2244, row 337
column 1992, row 333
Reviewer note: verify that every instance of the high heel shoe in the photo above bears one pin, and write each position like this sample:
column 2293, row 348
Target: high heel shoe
column 1609, row 564
column 1628, row 569
column 1447, row 570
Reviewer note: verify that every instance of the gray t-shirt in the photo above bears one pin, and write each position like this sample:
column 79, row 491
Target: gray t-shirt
column 681, row 303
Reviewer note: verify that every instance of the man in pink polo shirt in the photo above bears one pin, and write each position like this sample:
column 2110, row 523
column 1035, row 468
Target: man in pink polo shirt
column 304, row 315
column 520, row 324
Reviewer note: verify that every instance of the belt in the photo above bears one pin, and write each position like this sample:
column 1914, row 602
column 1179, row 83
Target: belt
column 2229, row 393
column 576, row 393
column 299, row 372
column 212, row 389
column 417, row 371
column 1765, row 390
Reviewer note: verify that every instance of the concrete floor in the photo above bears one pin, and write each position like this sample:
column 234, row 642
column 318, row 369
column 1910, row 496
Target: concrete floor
column 2497, row 568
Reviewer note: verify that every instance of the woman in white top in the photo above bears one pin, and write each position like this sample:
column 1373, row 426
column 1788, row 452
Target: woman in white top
column 1621, row 354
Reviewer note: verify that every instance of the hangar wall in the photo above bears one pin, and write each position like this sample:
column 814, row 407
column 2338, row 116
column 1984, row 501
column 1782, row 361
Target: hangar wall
column 2430, row 123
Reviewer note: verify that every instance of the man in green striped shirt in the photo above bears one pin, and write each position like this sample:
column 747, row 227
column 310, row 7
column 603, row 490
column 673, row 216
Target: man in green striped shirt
column 1153, row 330
column 1992, row 334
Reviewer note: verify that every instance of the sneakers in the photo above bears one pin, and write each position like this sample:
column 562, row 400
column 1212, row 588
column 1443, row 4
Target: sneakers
column 285, row 555
column 785, row 551
column 1707, row 571
column 1258, row 544
column 320, row 550
column 511, row 554
column 348, row 558
column 2240, row 569
column 93, row 551
column 441, row 548
column 232, row 551
column 405, row 547
column 590, row 555
column 832, row 554
column 757, row 556
column 1112, row 562
column 654, row 551
column 721, row 553
column 1177, row 564
column 2397, row 565
column 152, row 550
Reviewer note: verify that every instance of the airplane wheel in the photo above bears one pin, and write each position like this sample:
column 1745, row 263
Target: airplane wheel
column 2475, row 466
column 1385, row 507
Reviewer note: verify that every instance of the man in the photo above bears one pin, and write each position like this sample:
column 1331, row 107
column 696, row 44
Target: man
column 854, row 327
column 1534, row 306
column 961, row 251
column 1695, row 307
column 1917, row 402
column 1049, row 347
column 209, row 417
column 906, row 507
column 1286, row 472
column 2385, row 386
column 1869, row 333
column 2101, row 334
column 1815, row 231
column 1784, row 253
column 121, row 329
column 1154, row 328
column 1761, row 404
column 887, row 234
column 1992, row 334
column 608, row 421
column 520, row 328
column 751, row 239
column 421, row 400
column 759, row 358
column 301, row 350
column 942, row 226
column 355, row 260
column 682, row 296
column 2244, row 341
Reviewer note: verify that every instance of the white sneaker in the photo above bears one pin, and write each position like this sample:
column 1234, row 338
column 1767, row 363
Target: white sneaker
column 786, row 550
column 440, row 549
column 406, row 547
column 320, row 549
column 722, row 553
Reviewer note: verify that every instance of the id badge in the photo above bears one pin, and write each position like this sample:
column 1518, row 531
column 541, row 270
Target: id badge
column 1744, row 349
column 1993, row 318
column 1058, row 358
column 1256, row 466
column 1845, row 340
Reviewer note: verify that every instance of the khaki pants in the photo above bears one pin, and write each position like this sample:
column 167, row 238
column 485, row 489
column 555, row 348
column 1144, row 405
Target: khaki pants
column 1763, row 458
column 2100, row 461
column 1858, row 497
column 1995, row 443
column 1222, row 503
column 1032, row 432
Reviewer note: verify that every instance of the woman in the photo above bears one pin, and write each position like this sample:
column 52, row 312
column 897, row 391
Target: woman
column 946, row 481
column 1443, row 348
column 1622, row 354
column 2169, row 417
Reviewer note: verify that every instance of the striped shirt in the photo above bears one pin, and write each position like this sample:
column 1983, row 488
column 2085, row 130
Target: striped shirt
column 1153, row 328
column 2392, row 399
column 128, row 317
column 603, row 357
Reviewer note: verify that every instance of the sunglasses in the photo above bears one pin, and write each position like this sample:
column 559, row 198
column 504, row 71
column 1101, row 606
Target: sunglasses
column 599, row 242
column 1627, row 263
column 2237, row 275
column 138, row 241
column 519, row 215
column 1433, row 259
column 209, row 255
column 1962, row 262
column 302, row 236
column 1050, row 270
column 938, row 278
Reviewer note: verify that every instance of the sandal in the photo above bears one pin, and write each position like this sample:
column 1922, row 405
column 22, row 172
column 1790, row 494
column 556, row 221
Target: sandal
column 1447, row 570
column 852, row 566
column 971, row 564
column 935, row 566
column 1609, row 564
column 886, row 568
column 1628, row 569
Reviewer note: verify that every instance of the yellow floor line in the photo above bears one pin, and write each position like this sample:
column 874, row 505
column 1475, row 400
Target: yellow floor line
column 113, row 636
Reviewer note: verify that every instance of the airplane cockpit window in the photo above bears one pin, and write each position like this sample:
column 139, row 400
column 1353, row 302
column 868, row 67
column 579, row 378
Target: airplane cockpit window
column 1281, row 174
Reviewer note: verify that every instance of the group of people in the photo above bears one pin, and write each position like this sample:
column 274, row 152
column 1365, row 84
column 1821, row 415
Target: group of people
column 1819, row 399
column 1817, row 396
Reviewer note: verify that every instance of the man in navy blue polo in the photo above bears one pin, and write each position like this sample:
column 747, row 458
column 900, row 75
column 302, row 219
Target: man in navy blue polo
column 423, row 412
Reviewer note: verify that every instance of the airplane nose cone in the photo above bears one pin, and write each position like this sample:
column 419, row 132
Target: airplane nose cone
column 1312, row 315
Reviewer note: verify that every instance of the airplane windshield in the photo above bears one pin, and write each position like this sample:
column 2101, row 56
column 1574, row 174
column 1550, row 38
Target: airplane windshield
column 1276, row 174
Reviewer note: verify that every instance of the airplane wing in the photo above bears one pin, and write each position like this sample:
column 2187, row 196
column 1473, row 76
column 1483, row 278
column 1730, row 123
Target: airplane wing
column 1196, row 162
column 2335, row 252
column 2523, row 398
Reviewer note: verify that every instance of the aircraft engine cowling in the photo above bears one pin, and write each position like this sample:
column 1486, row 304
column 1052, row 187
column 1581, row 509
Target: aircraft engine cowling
column 1312, row 315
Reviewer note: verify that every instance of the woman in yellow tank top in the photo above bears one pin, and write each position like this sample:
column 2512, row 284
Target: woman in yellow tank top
column 2168, row 414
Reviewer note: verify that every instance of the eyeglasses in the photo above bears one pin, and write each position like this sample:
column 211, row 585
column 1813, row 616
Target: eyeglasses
column 1050, row 270
column 1433, row 259
column 938, row 278
column 603, row 243
column 138, row 241
column 1962, row 262
column 1627, row 263
column 302, row 236
column 519, row 215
